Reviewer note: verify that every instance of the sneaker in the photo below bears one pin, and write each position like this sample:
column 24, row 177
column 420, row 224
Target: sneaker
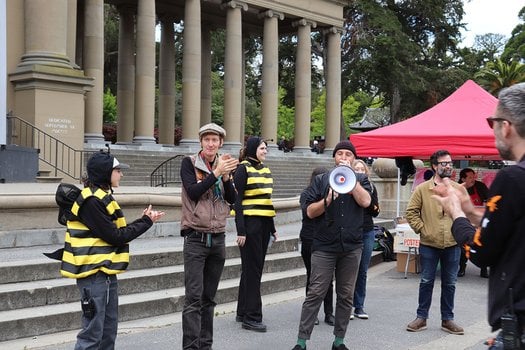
column 360, row 313
column 461, row 271
column 419, row 324
column 339, row 347
column 484, row 272
column 298, row 347
column 351, row 316
column 316, row 321
column 451, row 327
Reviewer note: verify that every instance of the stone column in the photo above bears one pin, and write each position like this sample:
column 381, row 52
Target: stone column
column 333, row 88
column 145, row 73
column 270, row 76
column 191, row 73
column 94, row 67
column 233, row 72
column 206, row 75
column 303, row 85
column 126, row 76
column 71, row 32
column 46, row 35
column 167, row 83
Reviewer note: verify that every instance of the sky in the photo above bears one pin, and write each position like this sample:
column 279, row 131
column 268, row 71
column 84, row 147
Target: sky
column 489, row 16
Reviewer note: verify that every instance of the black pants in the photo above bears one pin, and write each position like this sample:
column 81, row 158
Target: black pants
column 306, row 254
column 202, row 271
column 253, row 253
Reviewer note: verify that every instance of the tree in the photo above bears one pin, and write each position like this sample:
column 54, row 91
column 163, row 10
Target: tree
column 399, row 50
column 515, row 48
column 489, row 45
column 498, row 75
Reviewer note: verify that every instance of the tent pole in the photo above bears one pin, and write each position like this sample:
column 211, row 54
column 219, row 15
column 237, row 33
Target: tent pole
column 398, row 192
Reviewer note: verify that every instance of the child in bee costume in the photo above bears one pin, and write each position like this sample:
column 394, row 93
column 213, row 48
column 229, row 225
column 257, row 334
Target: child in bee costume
column 96, row 250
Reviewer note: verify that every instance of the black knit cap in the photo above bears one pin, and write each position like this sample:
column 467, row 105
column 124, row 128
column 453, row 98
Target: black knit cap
column 345, row 144
column 251, row 146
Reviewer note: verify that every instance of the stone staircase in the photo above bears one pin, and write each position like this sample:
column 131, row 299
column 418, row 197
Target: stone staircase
column 291, row 172
column 35, row 300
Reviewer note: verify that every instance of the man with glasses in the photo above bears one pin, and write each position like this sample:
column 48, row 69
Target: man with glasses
column 437, row 246
column 498, row 240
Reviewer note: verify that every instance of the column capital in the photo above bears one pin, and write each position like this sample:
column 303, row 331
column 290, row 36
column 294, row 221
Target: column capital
column 333, row 30
column 270, row 14
column 234, row 4
column 304, row 22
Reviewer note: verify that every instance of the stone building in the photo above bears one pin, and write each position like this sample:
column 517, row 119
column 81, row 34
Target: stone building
column 54, row 54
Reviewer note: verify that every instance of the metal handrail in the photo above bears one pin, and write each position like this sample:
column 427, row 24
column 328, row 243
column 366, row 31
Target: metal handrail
column 168, row 172
column 59, row 156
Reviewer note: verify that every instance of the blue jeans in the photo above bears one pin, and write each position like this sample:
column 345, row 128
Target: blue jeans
column 366, row 255
column 448, row 258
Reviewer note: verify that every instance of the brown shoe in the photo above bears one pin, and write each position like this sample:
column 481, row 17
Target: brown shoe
column 451, row 327
column 419, row 324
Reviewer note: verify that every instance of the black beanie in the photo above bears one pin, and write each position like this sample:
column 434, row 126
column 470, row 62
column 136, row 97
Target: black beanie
column 345, row 144
column 251, row 146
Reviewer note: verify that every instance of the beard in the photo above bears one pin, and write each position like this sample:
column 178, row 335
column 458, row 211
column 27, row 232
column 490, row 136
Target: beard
column 445, row 173
column 504, row 151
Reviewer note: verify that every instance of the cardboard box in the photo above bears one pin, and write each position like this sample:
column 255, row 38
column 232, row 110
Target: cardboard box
column 413, row 265
column 404, row 238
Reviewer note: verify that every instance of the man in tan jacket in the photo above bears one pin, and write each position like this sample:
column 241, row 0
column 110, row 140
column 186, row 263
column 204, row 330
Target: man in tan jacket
column 427, row 218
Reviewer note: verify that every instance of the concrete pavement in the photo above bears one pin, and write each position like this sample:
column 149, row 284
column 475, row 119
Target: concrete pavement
column 391, row 303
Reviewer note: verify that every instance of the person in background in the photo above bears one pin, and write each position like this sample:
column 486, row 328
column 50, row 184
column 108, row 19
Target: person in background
column 337, row 246
column 306, row 236
column 206, row 194
column 254, row 213
column 370, row 213
column 495, row 236
column 437, row 246
column 478, row 193
column 96, row 250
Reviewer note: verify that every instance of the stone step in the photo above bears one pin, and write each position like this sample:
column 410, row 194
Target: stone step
column 63, row 290
column 38, row 320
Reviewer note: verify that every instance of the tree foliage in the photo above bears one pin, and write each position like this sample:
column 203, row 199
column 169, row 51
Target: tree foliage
column 401, row 50
column 498, row 75
column 515, row 48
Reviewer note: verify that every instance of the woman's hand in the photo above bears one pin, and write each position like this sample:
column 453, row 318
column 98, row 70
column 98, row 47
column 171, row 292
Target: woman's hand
column 241, row 240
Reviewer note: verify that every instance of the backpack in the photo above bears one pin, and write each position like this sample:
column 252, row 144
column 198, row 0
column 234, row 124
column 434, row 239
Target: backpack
column 65, row 197
column 384, row 241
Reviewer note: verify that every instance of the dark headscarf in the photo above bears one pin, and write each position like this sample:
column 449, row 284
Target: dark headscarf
column 251, row 146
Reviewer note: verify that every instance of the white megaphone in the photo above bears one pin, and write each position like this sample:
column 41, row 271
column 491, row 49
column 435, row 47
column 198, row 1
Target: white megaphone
column 342, row 179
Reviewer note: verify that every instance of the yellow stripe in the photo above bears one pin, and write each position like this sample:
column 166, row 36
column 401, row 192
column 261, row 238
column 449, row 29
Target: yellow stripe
column 94, row 259
column 258, row 191
column 258, row 212
column 88, row 242
column 259, row 180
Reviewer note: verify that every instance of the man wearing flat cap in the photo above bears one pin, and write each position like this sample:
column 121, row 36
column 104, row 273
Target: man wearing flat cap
column 207, row 192
column 336, row 247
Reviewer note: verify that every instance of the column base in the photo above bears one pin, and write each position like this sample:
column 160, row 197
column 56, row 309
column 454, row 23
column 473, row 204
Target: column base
column 141, row 140
column 94, row 138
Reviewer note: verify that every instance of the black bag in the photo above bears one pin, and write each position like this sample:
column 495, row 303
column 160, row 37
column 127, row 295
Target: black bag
column 65, row 197
column 384, row 241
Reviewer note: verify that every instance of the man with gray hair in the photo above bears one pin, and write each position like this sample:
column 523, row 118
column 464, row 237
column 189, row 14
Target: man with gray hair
column 499, row 239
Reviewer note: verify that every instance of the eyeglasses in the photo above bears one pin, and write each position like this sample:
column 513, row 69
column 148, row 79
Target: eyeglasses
column 491, row 120
column 443, row 164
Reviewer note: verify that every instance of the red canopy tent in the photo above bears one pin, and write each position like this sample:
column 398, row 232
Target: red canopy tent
column 456, row 124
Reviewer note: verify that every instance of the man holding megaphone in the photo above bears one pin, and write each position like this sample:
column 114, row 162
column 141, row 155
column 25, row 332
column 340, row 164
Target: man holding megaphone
column 336, row 201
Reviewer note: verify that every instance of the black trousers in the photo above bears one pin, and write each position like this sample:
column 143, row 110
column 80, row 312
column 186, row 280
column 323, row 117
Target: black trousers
column 253, row 253
column 306, row 254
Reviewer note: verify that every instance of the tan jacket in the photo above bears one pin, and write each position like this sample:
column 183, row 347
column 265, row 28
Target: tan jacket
column 427, row 218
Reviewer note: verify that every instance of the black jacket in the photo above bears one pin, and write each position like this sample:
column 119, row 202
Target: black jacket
column 340, row 228
column 500, row 242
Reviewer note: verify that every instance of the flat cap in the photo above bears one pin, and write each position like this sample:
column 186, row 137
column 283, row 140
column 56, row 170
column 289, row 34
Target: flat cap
column 212, row 128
